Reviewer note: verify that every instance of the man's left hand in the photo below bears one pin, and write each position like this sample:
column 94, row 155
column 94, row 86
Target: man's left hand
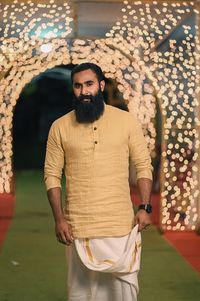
column 143, row 219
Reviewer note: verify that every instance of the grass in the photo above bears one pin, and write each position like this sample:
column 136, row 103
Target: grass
column 32, row 263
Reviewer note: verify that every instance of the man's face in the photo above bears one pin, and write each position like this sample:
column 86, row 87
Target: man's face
column 86, row 83
column 88, row 97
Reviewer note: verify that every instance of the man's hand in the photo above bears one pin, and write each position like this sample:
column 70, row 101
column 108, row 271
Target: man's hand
column 62, row 228
column 143, row 219
column 64, row 232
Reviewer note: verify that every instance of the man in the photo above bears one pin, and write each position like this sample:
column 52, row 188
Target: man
column 95, row 144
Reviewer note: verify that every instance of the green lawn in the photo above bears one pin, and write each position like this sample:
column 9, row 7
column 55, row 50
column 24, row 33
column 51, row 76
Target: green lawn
column 32, row 263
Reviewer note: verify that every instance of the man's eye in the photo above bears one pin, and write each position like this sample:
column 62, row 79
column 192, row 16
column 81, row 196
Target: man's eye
column 89, row 84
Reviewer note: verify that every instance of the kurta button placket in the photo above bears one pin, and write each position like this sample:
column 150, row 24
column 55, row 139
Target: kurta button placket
column 96, row 136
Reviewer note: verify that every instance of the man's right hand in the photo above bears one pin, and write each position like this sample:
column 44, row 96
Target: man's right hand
column 64, row 232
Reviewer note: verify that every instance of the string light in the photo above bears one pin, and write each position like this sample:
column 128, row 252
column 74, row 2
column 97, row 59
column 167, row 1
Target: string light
column 46, row 48
column 28, row 46
column 133, row 54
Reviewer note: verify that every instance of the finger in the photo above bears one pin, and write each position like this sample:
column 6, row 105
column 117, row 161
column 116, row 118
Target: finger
column 68, row 236
column 142, row 226
column 68, row 243
column 61, row 238
column 60, row 241
column 136, row 221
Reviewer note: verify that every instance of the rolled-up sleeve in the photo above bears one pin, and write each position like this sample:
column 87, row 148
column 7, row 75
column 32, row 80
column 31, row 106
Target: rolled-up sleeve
column 54, row 159
column 138, row 151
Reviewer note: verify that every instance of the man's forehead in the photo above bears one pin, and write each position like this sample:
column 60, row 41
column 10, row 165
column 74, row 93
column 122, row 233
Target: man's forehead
column 85, row 76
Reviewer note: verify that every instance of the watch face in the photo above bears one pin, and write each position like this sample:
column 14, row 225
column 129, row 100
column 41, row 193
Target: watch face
column 146, row 207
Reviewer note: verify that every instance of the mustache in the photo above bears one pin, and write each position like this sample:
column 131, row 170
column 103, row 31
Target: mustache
column 82, row 97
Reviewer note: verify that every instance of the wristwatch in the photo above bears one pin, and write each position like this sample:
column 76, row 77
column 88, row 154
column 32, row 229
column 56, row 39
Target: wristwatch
column 146, row 207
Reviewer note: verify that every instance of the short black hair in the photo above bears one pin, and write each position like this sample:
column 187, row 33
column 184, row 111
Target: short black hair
column 86, row 66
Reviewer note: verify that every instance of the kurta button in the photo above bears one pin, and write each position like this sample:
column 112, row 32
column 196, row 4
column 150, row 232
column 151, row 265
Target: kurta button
column 95, row 128
column 95, row 142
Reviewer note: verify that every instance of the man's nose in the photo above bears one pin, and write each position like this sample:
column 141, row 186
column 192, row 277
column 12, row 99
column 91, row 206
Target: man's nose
column 84, row 91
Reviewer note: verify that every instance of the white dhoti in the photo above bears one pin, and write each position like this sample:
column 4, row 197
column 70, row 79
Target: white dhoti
column 104, row 269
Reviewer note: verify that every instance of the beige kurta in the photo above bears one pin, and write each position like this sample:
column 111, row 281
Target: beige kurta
column 95, row 158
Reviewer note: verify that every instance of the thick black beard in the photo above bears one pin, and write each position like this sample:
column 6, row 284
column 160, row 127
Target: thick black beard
column 88, row 112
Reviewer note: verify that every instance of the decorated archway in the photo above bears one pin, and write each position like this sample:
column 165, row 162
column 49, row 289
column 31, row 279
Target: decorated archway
column 131, row 53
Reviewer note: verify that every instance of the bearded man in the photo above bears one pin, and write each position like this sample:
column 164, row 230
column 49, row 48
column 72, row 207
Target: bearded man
column 95, row 145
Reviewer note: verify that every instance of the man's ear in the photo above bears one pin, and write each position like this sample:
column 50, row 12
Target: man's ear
column 102, row 85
